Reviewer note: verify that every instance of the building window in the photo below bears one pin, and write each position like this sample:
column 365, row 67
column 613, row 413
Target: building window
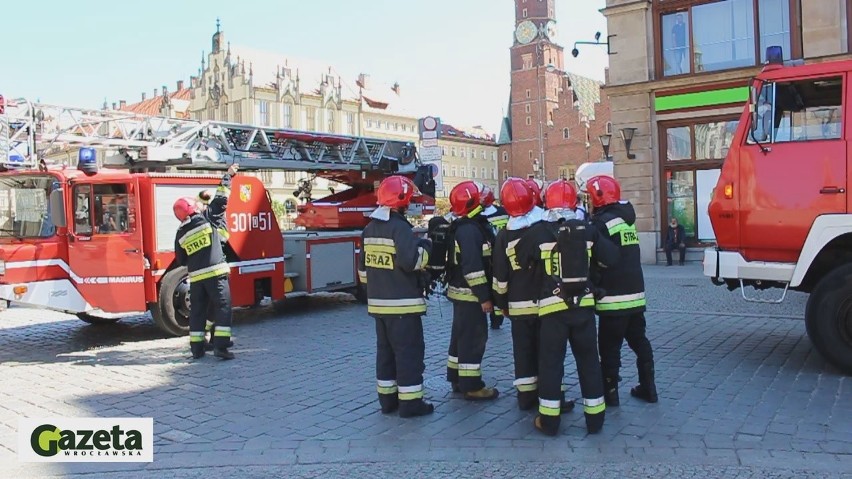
column 350, row 123
column 289, row 177
column 530, row 152
column 310, row 118
column 369, row 123
column 608, row 128
column 528, row 92
column 238, row 112
column 453, row 151
column 266, row 177
column 505, row 175
column 329, row 118
column 529, row 121
column 211, row 112
column 708, row 36
column 493, row 173
column 463, row 153
column 444, row 169
column 493, row 156
column 444, row 150
column 482, row 154
column 473, row 173
column 484, row 172
column 694, row 153
column 524, row 13
column 505, row 157
column 527, row 108
column 287, row 115
column 223, row 113
column 264, row 113
column 462, row 171
column 453, row 171
column 566, row 133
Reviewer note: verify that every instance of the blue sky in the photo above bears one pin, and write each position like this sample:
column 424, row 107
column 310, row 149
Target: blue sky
column 452, row 56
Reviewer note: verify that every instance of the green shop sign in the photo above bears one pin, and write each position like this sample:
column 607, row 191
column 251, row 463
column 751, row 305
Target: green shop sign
column 701, row 99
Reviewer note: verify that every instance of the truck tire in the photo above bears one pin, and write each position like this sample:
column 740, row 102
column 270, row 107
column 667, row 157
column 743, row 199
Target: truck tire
column 828, row 317
column 171, row 313
column 88, row 318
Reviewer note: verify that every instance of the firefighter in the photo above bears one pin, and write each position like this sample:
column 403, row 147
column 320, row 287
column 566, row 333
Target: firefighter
column 468, row 280
column 198, row 247
column 213, row 215
column 536, row 186
column 497, row 219
column 622, row 308
column 391, row 265
column 515, row 291
column 558, row 252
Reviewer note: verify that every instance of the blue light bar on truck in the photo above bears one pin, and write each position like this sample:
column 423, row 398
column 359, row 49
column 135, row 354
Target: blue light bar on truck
column 87, row 161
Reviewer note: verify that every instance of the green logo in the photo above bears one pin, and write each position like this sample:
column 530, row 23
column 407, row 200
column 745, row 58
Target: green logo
column 47, row 440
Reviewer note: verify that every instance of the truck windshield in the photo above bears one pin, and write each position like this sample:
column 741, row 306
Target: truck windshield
column 24, row 206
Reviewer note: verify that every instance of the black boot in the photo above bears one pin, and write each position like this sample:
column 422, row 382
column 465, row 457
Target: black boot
column 595, row 422
column 496, row 321
column 527, row 399
column 610, row 382
column 547, row 424
column 197, row 350
column 223, row 353
column 389, row 403
column 417, row 407
column 647, row 389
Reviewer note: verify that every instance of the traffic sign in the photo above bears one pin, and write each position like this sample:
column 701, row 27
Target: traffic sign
column 431, row 153
column 429, row 143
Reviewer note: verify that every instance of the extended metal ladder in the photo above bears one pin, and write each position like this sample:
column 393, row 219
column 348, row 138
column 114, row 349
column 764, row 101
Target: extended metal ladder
column 29, row 132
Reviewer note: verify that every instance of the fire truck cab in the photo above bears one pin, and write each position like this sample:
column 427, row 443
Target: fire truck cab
column 781, row 209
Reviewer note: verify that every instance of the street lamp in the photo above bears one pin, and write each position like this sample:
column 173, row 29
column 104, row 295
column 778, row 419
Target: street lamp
column 605, row 141
column 627, row 138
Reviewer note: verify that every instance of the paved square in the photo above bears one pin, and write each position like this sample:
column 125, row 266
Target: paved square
column 742, row 394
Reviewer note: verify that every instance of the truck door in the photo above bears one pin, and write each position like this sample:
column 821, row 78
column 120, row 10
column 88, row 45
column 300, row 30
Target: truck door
column 793, row 165
column 105, row 245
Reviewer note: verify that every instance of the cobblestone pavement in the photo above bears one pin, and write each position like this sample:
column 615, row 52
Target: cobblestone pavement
column 742, row 394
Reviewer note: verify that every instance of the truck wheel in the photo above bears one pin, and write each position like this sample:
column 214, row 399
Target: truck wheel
column 88, row 318
column 171, row 313
column 828, row 317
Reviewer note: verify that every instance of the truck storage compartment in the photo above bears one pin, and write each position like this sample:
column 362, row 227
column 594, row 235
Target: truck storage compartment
column 321, row 261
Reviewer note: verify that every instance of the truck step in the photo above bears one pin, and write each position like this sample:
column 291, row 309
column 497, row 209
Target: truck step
column 291, row 275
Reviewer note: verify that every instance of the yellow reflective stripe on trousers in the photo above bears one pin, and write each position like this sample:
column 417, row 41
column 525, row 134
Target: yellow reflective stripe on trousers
column 208, row 325
column 453, row 362
column 523, row 308
column 526, row 384
column 396, row 306
column 555, row 304
column 210, row 272
column 410, row 393
column 223, row 331
column 461, row 294
column 386, row 387
column 469, row 370
column 594, row 406
column 549, row 407
column 196, row 336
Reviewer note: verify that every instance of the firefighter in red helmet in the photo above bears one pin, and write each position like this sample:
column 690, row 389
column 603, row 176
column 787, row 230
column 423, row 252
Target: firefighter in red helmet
column 391, row 265
column 468, row 278
column 536, row 186
column 199, row 248
column 622, row 308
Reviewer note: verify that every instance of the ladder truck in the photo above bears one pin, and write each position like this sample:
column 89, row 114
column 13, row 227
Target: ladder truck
column 99, row 242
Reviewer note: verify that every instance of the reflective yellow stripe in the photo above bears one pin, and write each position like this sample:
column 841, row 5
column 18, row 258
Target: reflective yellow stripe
column 196, row 336
column 461, row 294
column 477, row 281
column 379, row 248
column 549, row 407
column 619, row 306
column 526, row 384
column 223, row 191
column 452, row 362
column 362, row 276
column 224, row 233
column 500, row 287
column 211, row 272
column 550, row 305
column 420, row 308
column 422, row 259
column 223, row 332
column 594, row 406
column 409, row 393
column 386, row 390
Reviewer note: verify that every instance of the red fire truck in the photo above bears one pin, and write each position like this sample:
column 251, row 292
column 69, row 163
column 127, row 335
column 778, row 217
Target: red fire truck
column 99, row 243
column 781, row 210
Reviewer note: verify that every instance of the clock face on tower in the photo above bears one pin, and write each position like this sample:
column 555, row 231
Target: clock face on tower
column 526, row 32
column 550, row 30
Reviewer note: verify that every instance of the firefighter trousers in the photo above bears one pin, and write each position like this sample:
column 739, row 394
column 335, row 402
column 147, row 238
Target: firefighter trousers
column 577, row 328
column 399, row 360
column 210, row 296
column 525, row 339
column 467, row 346
column 613, row 331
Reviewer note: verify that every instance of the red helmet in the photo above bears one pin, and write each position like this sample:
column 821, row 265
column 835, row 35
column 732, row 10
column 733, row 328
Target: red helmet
column 603, row 190
column 535, row 185
column 517, row 197
column 560, row 194
column 184, row 207
column 487, row 196
column 396, row 192
column 465, row 197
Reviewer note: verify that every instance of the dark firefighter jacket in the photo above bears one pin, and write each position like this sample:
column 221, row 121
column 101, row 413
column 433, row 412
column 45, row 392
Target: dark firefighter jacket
column 521, row 299
column 469, row 273
column 497, row 217
column 199, row 244
column 392, row 264
column 622, row 283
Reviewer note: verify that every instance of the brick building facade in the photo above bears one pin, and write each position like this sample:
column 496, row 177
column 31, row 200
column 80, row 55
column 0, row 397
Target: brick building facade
column 555, row 118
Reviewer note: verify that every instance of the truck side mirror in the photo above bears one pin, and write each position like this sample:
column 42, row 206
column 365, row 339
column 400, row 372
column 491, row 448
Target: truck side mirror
column 57, row 208
column 753, row 107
